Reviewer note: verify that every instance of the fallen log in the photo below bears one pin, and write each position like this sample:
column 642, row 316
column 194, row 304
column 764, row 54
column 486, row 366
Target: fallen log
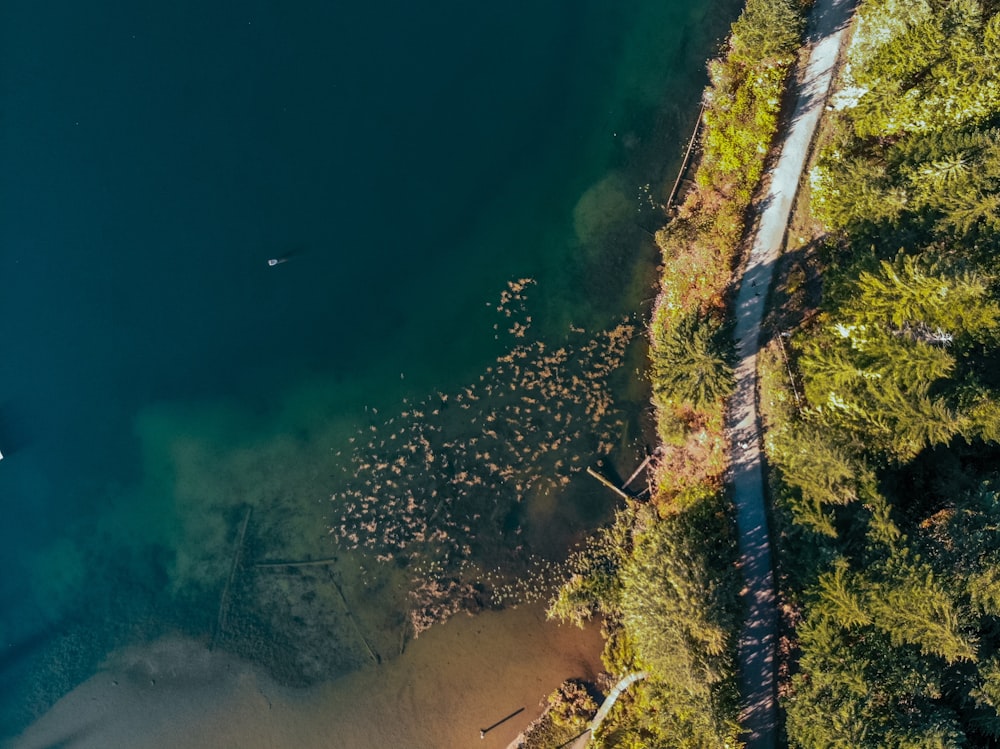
column 233, row 566
column 608, row 484
column 305, row 563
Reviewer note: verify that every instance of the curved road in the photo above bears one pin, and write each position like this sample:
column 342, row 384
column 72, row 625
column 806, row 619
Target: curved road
column 828, row 22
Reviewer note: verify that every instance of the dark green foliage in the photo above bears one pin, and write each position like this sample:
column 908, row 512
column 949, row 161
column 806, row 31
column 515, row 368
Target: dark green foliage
column 862, row 691
column 680, row 597
column 924, row 67
column 909, row 604
column 813, row 463
column 767, row 29
column 946, row 178
column 968, row 209
column 956, row 177
column 901, row 601
column 964, row 541
column 671, row 604
column 917, row 295
column 680, row 610
column 899, row 621
column 892, row 642
column 692, row 361
column 850, row 190
column 594, row 585
column 904, row 56
column 822, row 473
column 885, row 368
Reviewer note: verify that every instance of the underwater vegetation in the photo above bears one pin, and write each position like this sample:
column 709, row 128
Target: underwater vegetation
column 450, row 479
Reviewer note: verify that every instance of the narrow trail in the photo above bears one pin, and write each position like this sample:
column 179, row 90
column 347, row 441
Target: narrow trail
column 827, row 26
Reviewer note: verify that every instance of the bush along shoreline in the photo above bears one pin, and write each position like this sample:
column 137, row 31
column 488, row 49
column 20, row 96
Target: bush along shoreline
column 662, row 577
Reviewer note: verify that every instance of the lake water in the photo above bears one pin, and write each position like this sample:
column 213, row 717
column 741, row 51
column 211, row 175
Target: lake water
column 175, row 411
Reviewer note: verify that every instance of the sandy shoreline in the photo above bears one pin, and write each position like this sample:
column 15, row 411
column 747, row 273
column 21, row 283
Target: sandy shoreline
column 452, row 681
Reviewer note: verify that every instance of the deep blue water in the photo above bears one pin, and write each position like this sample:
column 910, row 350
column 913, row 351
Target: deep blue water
column 407, row 159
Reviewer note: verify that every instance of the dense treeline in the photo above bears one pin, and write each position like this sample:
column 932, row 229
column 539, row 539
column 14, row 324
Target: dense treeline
column 667, row 590
column 690, row 348
column 664, row 576
column 887, row 489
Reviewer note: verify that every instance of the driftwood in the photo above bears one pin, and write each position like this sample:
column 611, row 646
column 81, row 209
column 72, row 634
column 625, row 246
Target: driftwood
column 326, row 562
column 233, row 566
column 608, row 484
column 642, row 466
column 687, row 158
column 350, row 615
column 402, row 636
column 307, row 563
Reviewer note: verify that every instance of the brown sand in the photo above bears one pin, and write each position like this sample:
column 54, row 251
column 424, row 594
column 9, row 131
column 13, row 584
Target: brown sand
column 451, row 682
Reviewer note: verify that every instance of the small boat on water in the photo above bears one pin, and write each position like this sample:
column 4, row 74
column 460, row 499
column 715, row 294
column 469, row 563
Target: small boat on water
column 277, row 261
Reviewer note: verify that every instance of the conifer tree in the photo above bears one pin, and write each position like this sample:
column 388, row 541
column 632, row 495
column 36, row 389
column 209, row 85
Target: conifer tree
column 692, row 361
column 842, row 597
column 766, row 29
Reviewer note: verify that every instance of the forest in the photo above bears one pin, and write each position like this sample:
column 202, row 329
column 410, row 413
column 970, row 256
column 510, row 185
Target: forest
column 880, row 393
column 884, row 474
column 663, row 577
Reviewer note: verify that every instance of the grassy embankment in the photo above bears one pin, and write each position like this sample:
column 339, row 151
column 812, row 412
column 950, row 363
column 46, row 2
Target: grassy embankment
column 663, row 576
column 882, row 426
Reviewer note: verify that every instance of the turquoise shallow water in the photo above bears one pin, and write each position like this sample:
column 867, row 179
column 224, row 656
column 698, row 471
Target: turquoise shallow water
column 158, row 377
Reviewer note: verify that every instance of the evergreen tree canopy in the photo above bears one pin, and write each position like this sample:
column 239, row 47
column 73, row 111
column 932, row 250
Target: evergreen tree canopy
column 692, row 361
column 920, row 67
column 900, row 588
column 885, row 367
column 679, row 610
column 767, row 29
